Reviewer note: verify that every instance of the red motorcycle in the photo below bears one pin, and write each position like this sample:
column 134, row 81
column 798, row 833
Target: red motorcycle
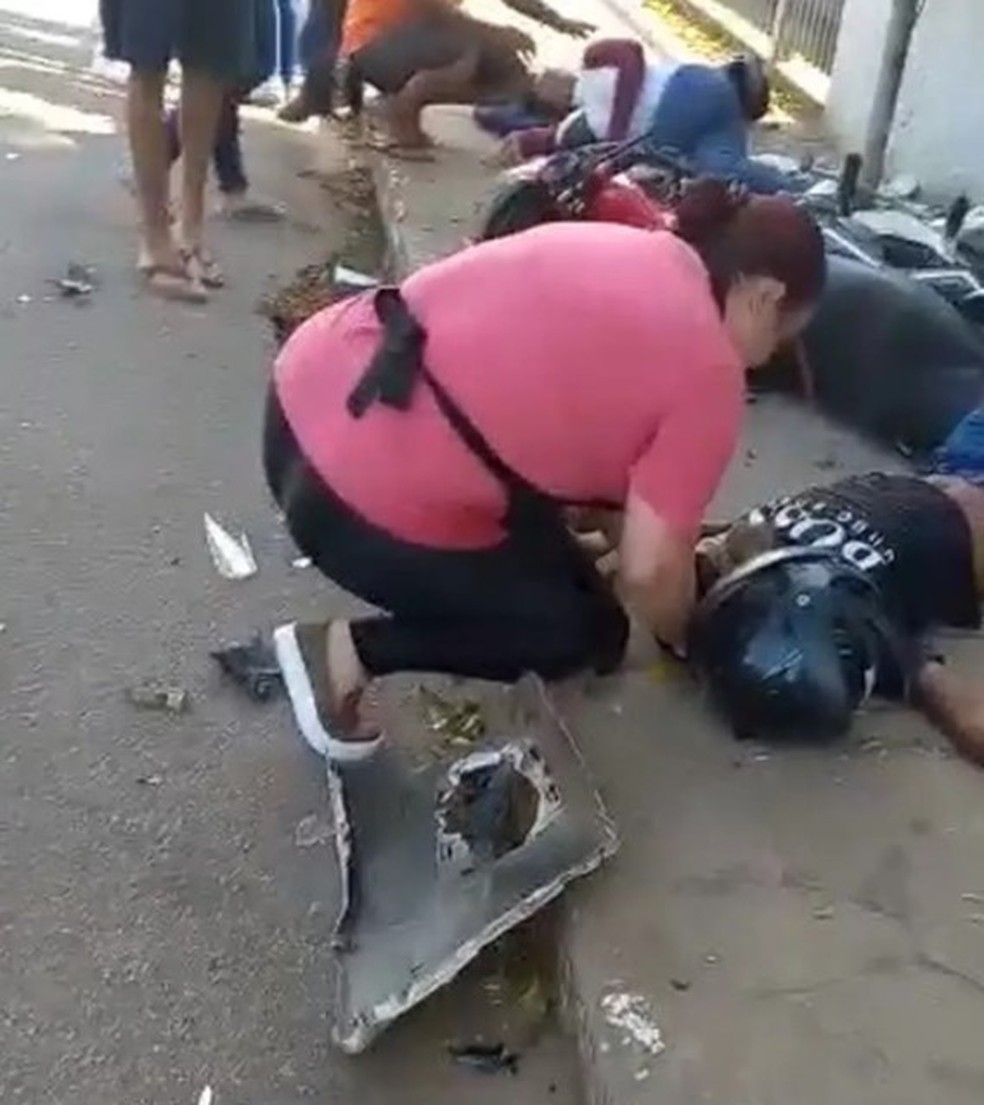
column 599, row 184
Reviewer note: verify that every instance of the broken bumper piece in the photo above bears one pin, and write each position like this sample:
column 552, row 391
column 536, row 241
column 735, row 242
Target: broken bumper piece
column 440, row 862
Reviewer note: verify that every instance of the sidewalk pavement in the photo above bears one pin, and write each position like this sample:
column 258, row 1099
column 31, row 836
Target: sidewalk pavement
column 788, row 926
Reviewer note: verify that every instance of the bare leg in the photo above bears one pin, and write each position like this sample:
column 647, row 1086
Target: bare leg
column 451, row 85
column 201, row 103
column 151, row 165
column 956, row 709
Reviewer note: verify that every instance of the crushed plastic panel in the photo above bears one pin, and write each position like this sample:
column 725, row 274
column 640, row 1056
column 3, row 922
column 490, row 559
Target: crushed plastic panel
column 438, row 862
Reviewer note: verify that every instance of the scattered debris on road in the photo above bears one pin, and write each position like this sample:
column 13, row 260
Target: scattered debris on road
column 162, row 697
column 301, row 562
column 352, row 278
column 253, row 667
column 233, row 557
column 460, row 723
column 485, row 1058
column 312, row 831
column 79, row 281
column 631, row 1015
column 512, row 823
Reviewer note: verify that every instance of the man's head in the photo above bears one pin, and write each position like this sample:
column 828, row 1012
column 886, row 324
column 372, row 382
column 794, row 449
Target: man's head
column 791, row 643
column 553, row 89
column 723, row 553
column 747, row 73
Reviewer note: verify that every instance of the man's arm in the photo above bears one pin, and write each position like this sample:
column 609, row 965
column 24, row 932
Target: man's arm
column 543, row 13
column 953, row 707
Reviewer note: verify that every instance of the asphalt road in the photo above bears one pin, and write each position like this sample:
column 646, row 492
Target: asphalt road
column 160, row 927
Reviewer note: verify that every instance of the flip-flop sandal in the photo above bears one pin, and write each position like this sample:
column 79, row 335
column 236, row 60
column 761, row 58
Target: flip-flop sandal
column 203, row 268
column 178, row 286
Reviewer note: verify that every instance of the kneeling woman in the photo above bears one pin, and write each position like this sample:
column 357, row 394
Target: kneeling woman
column 422, row 442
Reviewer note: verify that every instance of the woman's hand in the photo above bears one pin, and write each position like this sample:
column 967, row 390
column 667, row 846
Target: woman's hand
column 656, row 570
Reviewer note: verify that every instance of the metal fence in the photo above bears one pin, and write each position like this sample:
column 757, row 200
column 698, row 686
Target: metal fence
column 806, row 27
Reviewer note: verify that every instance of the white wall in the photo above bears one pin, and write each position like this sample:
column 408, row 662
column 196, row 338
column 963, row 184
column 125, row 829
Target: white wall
column 939, row 124
column 855, row 74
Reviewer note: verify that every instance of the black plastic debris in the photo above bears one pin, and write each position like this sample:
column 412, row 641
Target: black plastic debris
column 79, row 281
column 253, row 667
column 485, row 1058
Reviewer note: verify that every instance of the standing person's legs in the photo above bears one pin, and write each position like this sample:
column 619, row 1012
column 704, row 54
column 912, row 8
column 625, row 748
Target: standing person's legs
column 143, row 33
column 319, row 44
column 230, row 169
column 494, row 614
column 227, row 154
column 217, row 50
column 287, row 42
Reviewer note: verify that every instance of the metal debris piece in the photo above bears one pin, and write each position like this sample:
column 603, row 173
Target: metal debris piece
column 301, row 562
column 457, row 721
column 407, row 925
column 486, row 1058
column 233, row 557
column 252, row 666
column 162, row 697
column 149, row 780
column 78, row 282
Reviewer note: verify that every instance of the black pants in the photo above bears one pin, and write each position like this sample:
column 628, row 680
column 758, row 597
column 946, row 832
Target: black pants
column 493, row 614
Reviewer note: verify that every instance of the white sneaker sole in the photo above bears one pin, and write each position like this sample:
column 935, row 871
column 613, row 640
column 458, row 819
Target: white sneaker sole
column 302, row 700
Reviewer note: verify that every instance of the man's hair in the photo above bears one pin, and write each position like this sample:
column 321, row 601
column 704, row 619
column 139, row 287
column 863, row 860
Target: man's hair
column 747, row 73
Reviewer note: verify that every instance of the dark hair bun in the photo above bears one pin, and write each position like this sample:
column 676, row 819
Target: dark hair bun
column 707, row 208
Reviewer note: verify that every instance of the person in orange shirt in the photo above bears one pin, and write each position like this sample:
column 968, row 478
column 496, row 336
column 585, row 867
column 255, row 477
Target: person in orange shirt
column 420, row 52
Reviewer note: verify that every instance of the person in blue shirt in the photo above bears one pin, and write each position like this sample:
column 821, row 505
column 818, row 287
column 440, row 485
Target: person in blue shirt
column 702, row 113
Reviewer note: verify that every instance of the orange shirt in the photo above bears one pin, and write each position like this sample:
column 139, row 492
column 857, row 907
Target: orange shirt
column 365, row 19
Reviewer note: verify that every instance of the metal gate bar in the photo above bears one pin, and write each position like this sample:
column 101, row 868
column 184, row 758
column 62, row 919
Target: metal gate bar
column 808, row 27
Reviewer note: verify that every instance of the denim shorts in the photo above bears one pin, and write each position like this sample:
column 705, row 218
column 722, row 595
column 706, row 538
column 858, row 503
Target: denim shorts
column 962, row 454
column 217, row 37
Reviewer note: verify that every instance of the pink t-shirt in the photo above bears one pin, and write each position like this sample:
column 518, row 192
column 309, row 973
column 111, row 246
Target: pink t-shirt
column 591, row 356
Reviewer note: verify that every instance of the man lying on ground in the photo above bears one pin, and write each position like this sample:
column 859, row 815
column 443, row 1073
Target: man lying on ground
column 819, row 599
column 422, row 52
column 887, row 355
column 703, row 113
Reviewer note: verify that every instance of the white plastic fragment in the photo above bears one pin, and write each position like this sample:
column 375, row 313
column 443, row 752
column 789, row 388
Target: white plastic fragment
column 631, row 1015
column 206, row 1096
column 233, row 557
column 355, row 279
